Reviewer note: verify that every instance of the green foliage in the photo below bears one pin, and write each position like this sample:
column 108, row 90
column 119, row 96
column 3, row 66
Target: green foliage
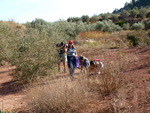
column 99, row 26
column 38, row 23
column 32, row 52
column 126, row 26
column 114, row 17
column 147, row 25
column 93, row 19
column 120, row 23
column 124, row 14
column 133, row 13
column 104, row 16
column 1, row 111
column 140, row 38
column 138, row 26
column 134, row 4
column 133, row 40
column 73, row 19
column 107, row 26
column 85, row 18
column 143, row 12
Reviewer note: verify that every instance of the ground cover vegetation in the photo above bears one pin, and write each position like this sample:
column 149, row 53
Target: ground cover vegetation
column 30, row 47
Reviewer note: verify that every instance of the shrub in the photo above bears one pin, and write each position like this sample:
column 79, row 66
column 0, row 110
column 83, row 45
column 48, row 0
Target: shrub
column 104, row 16
column 126, row 26
column 107, row 26
column 99, row 26
column 133, row 13
column 109, row 81
column 114, row 17
column 33, row 57
column 62, row 96
column 133, row 40
column 147, row 25
column 137, row 26
column 143, row 12
column 120, row 23
column 85, row 18
column 124, row 14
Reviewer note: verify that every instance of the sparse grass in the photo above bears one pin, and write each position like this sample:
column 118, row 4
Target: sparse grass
column 104, row 85
column 92, row 35
column 109, row 81
column 60, row 96
column 147, row 91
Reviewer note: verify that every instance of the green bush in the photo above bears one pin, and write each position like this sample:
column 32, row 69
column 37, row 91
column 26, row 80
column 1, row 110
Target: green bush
column 107, row 26
column 126, row 26
column 121, row 23
column 133, row 13
column 143, row 12
column 147, row 25
column 138, row 26
column 133, row 40
column 114, row 17
column 99, row 26
column 124, row 14
column 104, row 16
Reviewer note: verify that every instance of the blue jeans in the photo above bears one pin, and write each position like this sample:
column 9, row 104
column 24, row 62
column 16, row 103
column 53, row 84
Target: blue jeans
column 71, row 65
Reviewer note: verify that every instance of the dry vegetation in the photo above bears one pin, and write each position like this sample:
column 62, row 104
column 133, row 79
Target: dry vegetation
column 65, row 96
column 116, row 90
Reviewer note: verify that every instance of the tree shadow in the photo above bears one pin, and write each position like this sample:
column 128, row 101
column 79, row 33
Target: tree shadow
column 11, row 87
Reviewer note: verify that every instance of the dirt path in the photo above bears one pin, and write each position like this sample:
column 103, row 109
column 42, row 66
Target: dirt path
column 12, row 95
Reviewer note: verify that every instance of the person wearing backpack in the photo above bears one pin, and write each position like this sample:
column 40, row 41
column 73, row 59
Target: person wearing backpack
column 96, row 65
column 71, row 54
column 62, row 55
column 84, row 62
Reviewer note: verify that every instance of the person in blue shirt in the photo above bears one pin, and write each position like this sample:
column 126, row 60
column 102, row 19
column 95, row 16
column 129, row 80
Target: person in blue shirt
column 71, row 54
column 84, row 62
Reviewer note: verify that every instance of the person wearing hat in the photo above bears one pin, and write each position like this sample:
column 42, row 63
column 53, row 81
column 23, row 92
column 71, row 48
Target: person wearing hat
column 84, row 62
column 71, row 54
column 62, row 55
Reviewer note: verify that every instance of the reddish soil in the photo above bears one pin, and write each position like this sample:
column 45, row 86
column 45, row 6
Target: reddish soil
column 12, row 95
column 136, row 79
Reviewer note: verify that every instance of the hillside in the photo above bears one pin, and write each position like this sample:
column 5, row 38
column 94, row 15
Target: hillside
column 132, row 96
column 134, row 4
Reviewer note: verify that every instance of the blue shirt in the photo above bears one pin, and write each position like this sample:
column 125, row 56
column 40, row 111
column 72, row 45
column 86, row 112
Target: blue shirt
column 70, row 52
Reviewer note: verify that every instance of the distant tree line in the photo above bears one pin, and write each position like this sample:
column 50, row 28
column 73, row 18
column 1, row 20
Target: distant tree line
column 134, row 4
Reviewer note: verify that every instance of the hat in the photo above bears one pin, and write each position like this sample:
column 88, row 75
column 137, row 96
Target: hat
column 70, row 42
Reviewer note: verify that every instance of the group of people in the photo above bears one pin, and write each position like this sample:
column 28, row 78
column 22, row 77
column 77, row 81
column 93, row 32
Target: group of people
column 68, row 53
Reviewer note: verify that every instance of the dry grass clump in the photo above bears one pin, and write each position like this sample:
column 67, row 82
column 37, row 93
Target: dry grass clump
column 109, row 80
column 60, row 96
column 92, row 35
column 104, row 84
